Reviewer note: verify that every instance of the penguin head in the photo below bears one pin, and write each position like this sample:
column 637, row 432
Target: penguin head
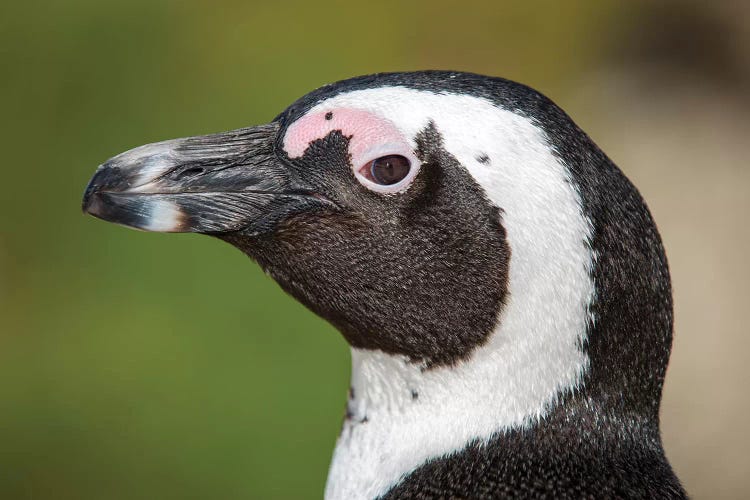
column 435, row 216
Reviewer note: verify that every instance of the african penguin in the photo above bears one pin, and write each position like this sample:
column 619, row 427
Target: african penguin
column 501, row 283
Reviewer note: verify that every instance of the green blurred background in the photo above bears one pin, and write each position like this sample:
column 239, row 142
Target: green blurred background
column 138, row 365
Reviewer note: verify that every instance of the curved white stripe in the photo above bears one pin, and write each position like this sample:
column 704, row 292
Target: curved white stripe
column 534, row 353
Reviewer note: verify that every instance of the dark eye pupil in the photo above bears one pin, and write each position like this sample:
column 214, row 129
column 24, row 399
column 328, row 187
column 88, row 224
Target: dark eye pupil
column 390, row 169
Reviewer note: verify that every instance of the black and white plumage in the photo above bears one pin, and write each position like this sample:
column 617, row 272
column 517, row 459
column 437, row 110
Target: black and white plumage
column 508, row 301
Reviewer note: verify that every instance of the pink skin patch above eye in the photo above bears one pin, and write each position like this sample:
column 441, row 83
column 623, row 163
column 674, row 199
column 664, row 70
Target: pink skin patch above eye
column 371, row 135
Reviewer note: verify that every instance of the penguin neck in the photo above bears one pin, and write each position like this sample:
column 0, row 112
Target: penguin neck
column 401, row 414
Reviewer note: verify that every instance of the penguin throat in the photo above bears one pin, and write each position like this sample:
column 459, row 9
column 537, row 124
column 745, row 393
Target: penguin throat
column 400, row 415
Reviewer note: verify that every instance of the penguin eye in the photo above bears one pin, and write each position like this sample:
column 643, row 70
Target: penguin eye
column 387, row 170
column 391, row 171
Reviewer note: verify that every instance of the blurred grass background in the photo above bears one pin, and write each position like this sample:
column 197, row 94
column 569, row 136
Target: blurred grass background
column 138, row 365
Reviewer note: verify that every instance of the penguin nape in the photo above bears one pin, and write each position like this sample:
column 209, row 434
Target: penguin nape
column 501, row 283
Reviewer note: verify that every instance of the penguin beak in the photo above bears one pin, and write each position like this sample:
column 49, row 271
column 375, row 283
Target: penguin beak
column 206, row 184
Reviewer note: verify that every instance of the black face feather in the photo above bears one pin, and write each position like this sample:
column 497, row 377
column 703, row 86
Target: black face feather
column 422, row 273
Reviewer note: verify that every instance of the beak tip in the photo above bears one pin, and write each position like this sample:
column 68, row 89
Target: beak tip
column 91, row 201
column 88, row 196
column 156, row 214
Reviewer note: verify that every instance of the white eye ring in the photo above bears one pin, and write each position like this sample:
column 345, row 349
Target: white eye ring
column 380, row 151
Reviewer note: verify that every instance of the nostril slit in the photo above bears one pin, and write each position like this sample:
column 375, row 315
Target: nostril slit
column 188, row 172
